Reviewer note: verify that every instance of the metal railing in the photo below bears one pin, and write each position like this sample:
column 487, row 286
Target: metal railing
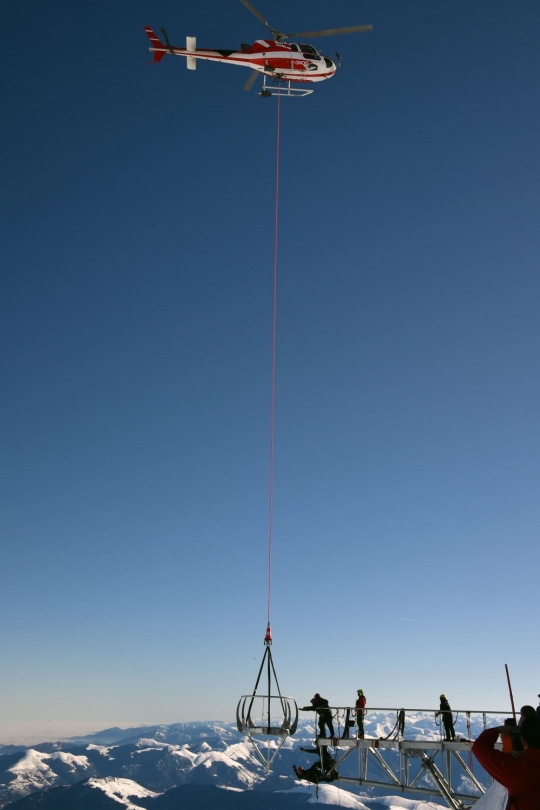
column 468, row 722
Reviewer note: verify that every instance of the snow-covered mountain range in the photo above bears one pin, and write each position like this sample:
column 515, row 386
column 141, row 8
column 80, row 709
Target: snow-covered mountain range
column 185, row 765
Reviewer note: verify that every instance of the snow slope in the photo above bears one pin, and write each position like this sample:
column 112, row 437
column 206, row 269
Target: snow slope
column 122, row 791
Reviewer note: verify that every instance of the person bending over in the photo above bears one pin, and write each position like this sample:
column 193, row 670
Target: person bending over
column 320, row 705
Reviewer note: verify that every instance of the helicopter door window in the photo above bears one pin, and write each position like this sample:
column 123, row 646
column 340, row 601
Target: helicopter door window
column 294, row 47
column 308, row 49
column 313, row 56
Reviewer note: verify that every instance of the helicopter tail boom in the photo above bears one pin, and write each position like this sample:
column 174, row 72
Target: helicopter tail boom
column 157, row 46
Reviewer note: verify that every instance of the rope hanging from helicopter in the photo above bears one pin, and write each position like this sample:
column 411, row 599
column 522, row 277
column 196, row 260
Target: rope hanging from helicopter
column 279, row 714
column 273, row 387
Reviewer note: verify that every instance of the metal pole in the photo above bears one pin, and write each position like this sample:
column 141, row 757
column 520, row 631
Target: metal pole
column 510, row 690
column 269, row 687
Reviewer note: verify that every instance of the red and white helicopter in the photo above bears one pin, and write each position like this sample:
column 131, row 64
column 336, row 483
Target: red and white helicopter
column 280, row 62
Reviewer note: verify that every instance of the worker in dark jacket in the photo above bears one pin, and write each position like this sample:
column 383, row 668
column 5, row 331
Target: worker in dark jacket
column 320, row 705
column 320, row 771
column 446, row 716
column 519, row 773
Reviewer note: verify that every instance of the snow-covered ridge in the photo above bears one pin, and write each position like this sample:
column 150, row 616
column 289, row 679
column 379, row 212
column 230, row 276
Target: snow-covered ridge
column 32, row 762
column 332, row 795
column 148, row 742
column 156, row 759
column 37, row 770
column 123, row 791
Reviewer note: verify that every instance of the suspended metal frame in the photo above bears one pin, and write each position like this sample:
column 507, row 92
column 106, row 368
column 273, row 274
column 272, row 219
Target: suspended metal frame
column 267, row 718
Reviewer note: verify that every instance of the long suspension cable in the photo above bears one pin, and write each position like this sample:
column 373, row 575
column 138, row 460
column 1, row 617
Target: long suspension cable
column 272, row 409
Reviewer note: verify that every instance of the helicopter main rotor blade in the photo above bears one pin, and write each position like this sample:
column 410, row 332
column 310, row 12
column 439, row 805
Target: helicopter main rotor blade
column 249, row 84
column 328, row 32
column 258, row 15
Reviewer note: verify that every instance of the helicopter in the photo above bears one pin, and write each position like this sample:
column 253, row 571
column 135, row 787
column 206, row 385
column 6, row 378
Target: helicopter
column 280, row 62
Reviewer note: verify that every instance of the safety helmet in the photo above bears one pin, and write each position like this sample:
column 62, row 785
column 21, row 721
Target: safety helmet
column 316, row 695
column 360, row 692
column 442, row 697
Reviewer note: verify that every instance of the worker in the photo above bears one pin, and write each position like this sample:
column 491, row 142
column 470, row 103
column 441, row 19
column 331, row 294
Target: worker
column 360, row 712
column 322, row 769
column 320, row 705
column 446, row 716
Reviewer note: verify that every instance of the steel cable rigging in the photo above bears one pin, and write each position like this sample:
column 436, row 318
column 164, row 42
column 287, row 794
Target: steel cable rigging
column 265, row 716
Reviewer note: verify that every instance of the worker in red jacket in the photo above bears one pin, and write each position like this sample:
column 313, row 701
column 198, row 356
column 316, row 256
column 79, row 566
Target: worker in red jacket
column 360, row 712
column 519, row 773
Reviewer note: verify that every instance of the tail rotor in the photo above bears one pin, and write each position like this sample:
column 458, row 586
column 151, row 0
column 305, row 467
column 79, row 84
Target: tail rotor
column 166, row 38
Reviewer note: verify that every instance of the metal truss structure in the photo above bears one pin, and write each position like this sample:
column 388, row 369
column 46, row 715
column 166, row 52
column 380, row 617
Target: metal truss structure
column 409, row 766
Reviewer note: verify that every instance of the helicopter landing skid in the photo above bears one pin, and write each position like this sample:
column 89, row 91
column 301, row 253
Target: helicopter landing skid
column 282, row 88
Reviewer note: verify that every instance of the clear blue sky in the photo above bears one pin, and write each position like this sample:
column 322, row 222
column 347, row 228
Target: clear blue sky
column 136, row 310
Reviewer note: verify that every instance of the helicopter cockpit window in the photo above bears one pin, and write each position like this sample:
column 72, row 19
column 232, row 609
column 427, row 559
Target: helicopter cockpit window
column 313, row 56
column 294, row 47
column 328, row 62
column 308, row 49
